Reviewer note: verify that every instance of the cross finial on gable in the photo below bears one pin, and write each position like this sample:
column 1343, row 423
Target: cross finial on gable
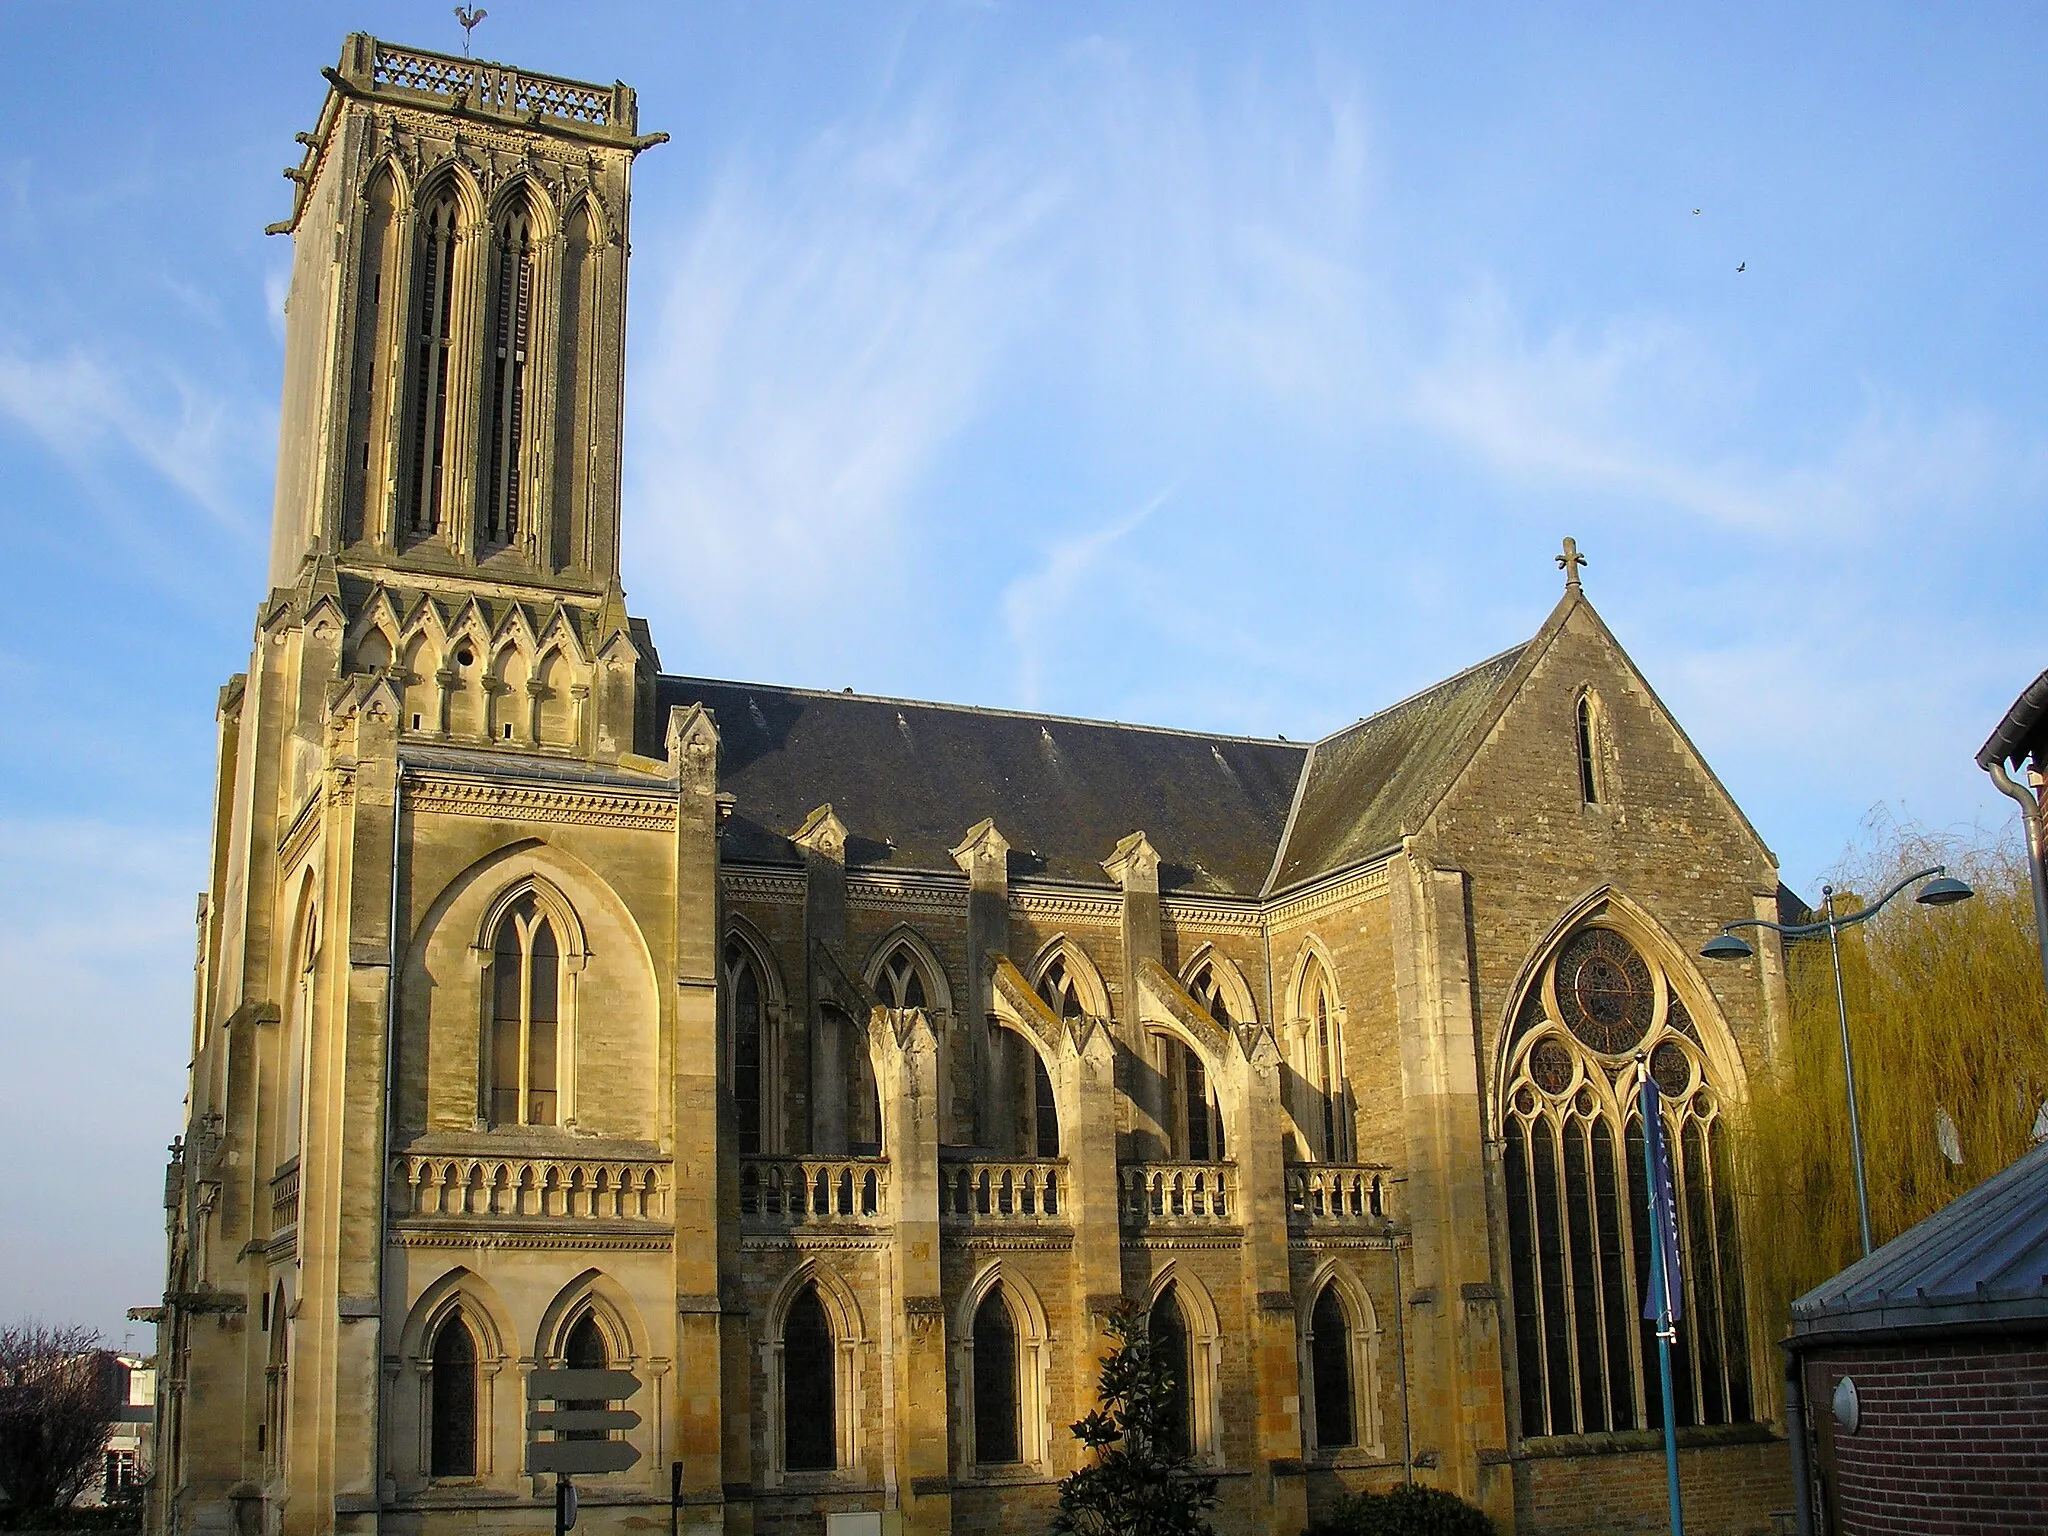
column 1569, row 562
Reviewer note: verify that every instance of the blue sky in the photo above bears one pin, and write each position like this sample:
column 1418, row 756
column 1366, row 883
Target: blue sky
column 1234, row 367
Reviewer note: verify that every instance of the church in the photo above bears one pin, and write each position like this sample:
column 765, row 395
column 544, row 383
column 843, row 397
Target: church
column 835, row 1064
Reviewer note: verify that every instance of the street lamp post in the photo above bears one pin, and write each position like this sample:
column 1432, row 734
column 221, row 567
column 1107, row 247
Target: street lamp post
column 1941, row 890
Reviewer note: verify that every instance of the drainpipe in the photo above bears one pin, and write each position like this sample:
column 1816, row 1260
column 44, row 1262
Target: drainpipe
column 2031, row 814
column 1795, row 1433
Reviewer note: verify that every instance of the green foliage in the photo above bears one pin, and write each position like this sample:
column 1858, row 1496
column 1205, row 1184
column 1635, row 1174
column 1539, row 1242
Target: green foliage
column 1945, row 1013
column 1140, row 1484
column 1410, row 1510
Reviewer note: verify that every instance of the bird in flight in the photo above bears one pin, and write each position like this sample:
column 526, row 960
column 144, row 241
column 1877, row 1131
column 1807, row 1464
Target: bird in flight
column 1695, row 213
column 1743, row 268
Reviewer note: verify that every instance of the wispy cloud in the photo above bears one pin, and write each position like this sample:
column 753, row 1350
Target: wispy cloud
column 1034, row 605
column 827, row 329
column 207, row 445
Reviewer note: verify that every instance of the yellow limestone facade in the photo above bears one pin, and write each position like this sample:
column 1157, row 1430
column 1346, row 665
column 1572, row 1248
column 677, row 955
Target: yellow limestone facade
column 833, row 1064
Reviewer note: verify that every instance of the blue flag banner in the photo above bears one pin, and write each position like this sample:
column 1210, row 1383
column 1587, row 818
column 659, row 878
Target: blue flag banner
column 1661, row 1303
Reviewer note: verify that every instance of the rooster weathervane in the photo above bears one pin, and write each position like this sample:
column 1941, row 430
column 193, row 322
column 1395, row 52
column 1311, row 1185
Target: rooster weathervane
column 469, row 16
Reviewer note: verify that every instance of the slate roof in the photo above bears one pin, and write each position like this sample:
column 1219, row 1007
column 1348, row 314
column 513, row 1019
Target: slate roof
column 1229, row 815
column 1368, row 784
column 1982, row 1260
column 909, row 779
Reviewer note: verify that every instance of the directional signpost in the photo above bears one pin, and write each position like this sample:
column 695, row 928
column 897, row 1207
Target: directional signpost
column 592, row 1448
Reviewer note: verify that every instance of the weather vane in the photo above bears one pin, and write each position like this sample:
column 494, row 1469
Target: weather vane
column 469, row 16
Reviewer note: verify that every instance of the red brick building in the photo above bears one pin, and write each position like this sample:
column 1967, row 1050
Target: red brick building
column 1925, row 1371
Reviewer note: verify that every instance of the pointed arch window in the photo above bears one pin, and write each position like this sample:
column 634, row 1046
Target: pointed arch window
column 1045, row 1109
column 1323, row 1046
column 452, row 1401
column 1207, row 989
column 1586, row 735
column 1330, row 1362
column 369, row 384
column 1578, row 1233
column 809, row 1422
column 1167, row 1328
column 511, row 324
column 583, row 1350
column 1192, row 1119
column 996, row 1406
column 901, row 980
column 1059, row 989
column 743, row 989
column 526, row 988
column 433, row 356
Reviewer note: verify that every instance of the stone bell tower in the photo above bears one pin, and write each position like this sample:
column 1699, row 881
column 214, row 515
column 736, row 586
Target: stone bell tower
column 455, row 328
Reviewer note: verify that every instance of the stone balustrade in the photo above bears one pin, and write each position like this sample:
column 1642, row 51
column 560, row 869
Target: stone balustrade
column 1350, row 1193
column 284, row 1196
column 1014, row 1189
column 798, row 1191
column 1155, row 1194
column 557, row 1188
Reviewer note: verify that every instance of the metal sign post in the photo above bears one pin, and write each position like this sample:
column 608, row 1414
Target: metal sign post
column 1661, row 1306
column 581, row 1437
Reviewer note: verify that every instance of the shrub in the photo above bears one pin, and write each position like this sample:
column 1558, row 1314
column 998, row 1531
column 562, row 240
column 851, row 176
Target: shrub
column 1410, row 1510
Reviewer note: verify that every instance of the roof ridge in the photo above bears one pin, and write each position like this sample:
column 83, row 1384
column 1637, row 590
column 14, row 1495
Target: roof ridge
column 1423, row 693
column 984, row 709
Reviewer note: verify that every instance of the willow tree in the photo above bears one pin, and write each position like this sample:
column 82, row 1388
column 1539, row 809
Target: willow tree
column 1950, row 1031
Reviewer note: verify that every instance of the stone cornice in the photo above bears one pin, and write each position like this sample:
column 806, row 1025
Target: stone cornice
column 585, row 1237
column 449, row 795
column 1363, row 885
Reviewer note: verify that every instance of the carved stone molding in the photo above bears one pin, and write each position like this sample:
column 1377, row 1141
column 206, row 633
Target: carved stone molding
column 510, row 802
column 1363, row 886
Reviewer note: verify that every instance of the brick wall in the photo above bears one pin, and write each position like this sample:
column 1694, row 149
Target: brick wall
column 1953, row 1437
column 1727, row 1490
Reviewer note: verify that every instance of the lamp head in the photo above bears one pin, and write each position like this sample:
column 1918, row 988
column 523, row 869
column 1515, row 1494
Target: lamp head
column 1725, row 946
column 1942, row 891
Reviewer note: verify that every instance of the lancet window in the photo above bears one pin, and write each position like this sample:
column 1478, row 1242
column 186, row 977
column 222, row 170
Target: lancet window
column 996, row 1407
column 583, row 1350
column 1577, row 1200
column 433, row 358
column 1329, row 1356
column 809, row 1395
column 747, row 1047
column 1326, row 1119
column 452, row 1401
column 1586, row 729
column 1062, row 994
column 511, row 325
column 1207, row 989
column 1191, row 1119
column 901, row 980
column 526, row 964
column 1167, row 1328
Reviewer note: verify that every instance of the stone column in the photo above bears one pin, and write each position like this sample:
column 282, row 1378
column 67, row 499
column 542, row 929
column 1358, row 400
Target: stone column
column 984, row 856
column 713, row 1402
column 1134, row 865
column 923, row 1450
column 822, row 841
column 1457, row 1390
column 1271, row 1334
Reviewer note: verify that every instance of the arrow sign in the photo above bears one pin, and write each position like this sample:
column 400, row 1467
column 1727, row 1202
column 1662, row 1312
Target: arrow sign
column 573, row 1458
column 561, row 1386
column 565, row 1421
